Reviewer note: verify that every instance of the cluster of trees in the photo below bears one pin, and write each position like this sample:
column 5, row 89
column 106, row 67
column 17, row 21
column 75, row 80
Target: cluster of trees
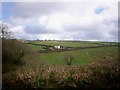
column 13, row 51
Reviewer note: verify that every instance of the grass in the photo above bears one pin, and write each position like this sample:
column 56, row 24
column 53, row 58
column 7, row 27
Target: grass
column 68, row 43
column 35, row 47
column 80, row 56
column 94, row 67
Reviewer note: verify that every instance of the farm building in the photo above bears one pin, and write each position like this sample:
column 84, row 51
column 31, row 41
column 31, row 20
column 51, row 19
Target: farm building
column 57, row 47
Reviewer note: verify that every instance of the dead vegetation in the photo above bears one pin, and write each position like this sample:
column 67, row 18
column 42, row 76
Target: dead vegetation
column 95, row 75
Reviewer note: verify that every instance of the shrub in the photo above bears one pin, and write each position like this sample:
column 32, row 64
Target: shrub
column 99, row 74
column 68, row 59
column 13, row 52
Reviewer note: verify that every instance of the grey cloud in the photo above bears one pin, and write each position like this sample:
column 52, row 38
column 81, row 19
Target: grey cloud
column 35, row 29
column 38, row 29
column 88, row 35
column 79, row 27
column 94, row 35
column 30, row 9
column 114, row 34
column 72, row 27
column 94, row 30
column 110, row 22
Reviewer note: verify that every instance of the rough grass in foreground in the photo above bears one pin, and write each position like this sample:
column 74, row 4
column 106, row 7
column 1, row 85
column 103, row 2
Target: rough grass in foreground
column 94, row 75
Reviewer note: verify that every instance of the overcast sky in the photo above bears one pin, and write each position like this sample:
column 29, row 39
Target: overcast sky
column 62, row 20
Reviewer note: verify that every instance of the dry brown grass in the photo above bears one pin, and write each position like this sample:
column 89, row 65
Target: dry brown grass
column 97, row 74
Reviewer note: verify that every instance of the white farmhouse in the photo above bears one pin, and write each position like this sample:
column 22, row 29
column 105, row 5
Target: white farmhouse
column 57, row 47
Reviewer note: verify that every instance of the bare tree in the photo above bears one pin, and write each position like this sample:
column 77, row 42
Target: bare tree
column 68, row 59
column 4, row 32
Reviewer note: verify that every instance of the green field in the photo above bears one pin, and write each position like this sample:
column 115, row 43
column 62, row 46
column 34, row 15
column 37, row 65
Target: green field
column 80, row 57
column 68, row 43
column 50, row 69
column 35, row 48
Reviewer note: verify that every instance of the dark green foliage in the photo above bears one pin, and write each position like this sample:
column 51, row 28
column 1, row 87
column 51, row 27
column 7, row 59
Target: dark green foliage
column 13, row 52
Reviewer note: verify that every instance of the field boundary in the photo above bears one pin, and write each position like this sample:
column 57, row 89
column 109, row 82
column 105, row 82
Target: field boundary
column 75, row 48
